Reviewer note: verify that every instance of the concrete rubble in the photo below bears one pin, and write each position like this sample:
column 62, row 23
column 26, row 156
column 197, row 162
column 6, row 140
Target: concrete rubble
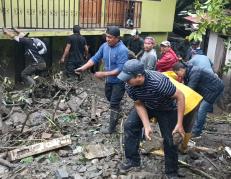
column 78, row 109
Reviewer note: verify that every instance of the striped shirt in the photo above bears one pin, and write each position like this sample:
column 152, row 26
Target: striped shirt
column 155, row 93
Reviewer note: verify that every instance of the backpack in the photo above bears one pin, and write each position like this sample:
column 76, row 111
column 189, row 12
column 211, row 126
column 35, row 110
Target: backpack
column 40, row 45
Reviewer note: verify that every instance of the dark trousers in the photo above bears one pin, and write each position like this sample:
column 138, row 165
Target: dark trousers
column 114, row 93
column 133, row 130
column 30, row 70
column 71, row 64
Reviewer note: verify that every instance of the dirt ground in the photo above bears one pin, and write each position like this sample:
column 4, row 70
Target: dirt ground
column 79, row 109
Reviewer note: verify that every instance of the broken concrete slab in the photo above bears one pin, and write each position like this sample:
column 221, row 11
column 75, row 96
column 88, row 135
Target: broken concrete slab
column 98, row 151
column 77, row 176
column 27, row 151
column 78, row 150
column 76, row 101
column 61, row 173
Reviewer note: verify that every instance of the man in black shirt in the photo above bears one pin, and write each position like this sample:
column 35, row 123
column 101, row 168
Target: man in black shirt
column 76, row 49
column 135, row 43
column 34, row 49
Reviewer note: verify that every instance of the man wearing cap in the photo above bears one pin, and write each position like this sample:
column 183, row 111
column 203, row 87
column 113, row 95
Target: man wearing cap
column 195, row 49
column 114, row 54
column 149, row 57
column 168, row 57
column 32, row 52
column 76, row 49
column 135, row 43
column 154, row 96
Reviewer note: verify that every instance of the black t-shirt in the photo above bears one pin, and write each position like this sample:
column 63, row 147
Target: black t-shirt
column 31, row 50
column 135, row 45
column 77, row 43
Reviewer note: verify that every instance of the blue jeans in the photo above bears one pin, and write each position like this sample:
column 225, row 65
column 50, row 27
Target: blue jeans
column 204, row 108
column 133, row 131
column 114, row 93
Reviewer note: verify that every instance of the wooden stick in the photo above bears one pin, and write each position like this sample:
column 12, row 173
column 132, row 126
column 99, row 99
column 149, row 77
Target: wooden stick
column 200, row 172
column 38, row 148
column 121, row 138
column 211, row 162
column 93, row 108
column 27, row 117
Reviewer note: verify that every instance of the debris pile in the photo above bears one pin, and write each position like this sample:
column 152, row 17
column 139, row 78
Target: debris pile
column 53, row 131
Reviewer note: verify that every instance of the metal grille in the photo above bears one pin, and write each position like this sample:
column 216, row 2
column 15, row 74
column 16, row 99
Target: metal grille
column 63, row 14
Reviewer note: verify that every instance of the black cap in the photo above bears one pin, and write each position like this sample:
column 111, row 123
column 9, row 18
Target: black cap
column 113, row 30
column 76, row 29
column 195, row 42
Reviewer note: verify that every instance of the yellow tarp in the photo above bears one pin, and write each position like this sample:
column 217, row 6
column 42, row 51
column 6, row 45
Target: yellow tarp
column 192, row 98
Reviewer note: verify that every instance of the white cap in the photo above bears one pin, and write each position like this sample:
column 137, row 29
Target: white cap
column 166, row 43
column 134, row 32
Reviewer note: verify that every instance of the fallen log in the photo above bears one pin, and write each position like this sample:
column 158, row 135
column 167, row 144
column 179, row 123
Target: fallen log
column 27, row 151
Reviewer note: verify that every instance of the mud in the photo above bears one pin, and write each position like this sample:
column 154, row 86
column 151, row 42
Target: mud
column 55, row 116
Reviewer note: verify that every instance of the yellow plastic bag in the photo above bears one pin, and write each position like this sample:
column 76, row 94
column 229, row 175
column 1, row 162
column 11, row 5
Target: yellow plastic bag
column 192, row 98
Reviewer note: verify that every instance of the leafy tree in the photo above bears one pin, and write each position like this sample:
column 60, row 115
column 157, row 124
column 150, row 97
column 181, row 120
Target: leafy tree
column 212, row 15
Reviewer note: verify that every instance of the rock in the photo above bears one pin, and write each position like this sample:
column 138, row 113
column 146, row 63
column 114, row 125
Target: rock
column 154, row 144
column 63, row 105
column 63, row 153
column 92, row 174
column 98, row 151
column 46, row 135
column 141, row 175
column 3, row 170
column 61, row 174
column 77, row 176
column 78, row 150
column 37, row 118
column 95, row 161
column 92, row 168
column 83, row 169
column 18, row 118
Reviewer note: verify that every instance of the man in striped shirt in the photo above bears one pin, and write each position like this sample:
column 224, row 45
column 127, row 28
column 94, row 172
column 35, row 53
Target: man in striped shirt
column 154, row 96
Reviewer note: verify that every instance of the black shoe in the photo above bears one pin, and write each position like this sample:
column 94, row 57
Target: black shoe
column 129, row 166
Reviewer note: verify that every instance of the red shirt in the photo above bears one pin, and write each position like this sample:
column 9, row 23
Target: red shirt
column 167, row 60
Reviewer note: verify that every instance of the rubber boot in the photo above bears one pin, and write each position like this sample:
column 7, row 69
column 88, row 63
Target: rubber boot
column 29, row 81
column 114, row 116
column 184, row 146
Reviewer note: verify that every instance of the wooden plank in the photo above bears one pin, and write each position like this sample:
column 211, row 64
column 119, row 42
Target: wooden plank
column 27, row 151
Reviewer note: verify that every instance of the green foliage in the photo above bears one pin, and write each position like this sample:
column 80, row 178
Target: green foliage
column 227, row 67
column 53, row 157
column 211, row 15
column 27, row 160
column 69, row 117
